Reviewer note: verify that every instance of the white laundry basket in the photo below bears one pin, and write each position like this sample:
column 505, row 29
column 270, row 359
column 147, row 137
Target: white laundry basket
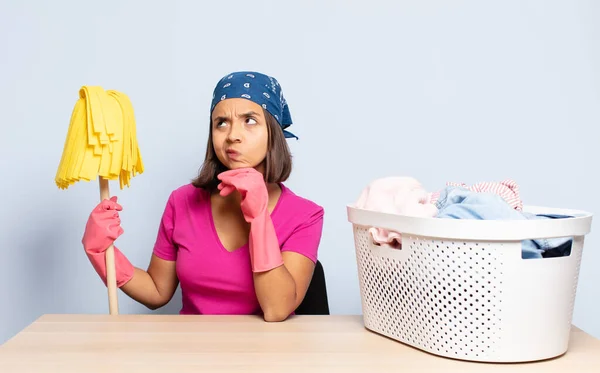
column 460, row 289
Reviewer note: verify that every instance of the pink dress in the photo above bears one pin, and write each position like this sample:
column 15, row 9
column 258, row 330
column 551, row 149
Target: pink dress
column 213, row 280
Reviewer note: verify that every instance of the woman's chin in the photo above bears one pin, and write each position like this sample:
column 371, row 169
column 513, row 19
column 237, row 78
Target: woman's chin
column 237, row 166
column 234, row 165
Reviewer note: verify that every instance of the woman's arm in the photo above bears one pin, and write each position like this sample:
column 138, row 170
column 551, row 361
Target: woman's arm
column 281, row 290
column 155, row 287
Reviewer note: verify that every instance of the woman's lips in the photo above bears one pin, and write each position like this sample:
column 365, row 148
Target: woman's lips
column 232, row 154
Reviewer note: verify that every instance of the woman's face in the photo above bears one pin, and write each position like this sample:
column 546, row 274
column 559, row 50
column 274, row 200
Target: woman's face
column 239, row 133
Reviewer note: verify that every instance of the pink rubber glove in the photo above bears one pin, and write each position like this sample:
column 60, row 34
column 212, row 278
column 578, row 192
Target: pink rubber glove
column 102, row 229
column 265, row 253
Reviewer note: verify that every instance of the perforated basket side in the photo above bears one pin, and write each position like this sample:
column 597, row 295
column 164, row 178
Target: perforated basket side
column 442, row 297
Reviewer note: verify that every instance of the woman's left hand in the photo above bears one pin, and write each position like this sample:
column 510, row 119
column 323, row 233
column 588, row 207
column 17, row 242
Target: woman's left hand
column 251, row 185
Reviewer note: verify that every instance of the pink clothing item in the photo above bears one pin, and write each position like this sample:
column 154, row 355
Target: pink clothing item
column 395, row 195
column 507, row 189
column 214, row 280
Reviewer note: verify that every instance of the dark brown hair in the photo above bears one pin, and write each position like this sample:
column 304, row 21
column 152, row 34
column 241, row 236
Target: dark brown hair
column 278, row 161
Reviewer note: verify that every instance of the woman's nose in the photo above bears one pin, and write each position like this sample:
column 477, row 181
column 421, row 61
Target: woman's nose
column 235, row 133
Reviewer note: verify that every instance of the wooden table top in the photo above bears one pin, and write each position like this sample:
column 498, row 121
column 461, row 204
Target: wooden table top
column 177, row 343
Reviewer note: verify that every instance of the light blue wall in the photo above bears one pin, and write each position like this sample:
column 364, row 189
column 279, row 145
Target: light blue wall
column 467, row 92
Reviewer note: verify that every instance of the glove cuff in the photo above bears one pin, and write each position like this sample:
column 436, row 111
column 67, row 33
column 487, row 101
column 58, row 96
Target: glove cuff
column 123, row 268
column 265, row 253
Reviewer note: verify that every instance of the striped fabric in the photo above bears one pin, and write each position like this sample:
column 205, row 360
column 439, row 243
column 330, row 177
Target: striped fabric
column 507, row 189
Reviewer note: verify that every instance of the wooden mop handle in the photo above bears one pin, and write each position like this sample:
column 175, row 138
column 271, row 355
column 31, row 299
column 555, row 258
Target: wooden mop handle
column 111, row 275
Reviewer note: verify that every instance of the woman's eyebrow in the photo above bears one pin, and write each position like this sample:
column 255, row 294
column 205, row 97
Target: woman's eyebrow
column 220, row 119
column 224, row 118
column 248, row 114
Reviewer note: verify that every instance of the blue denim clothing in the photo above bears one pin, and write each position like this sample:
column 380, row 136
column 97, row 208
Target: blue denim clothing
column 460, row 203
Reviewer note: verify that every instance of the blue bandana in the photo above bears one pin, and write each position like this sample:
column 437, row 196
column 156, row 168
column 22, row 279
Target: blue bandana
column 259, row 88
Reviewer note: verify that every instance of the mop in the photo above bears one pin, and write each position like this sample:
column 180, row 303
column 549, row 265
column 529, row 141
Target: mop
column 101, row 143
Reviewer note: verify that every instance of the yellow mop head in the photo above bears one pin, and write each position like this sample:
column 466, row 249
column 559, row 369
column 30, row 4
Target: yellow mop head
column 101, row 140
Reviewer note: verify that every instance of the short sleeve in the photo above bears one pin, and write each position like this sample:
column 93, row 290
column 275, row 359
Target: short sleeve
column 164, row 246
column 306, row 237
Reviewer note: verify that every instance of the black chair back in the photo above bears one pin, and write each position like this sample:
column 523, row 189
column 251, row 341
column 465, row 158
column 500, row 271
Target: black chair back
column 315, row 301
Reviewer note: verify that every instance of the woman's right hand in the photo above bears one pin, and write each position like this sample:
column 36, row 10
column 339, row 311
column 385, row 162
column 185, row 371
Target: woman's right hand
column 103, row 226
column 102, row 229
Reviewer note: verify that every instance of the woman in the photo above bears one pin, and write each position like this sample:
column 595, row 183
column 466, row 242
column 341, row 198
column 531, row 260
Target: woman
column 236, row 239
